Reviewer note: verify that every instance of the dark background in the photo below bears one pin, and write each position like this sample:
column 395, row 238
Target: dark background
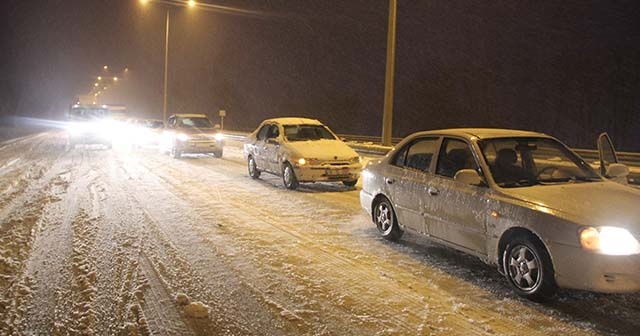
column 568, row 68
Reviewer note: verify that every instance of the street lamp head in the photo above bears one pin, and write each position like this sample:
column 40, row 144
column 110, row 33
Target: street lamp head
column 191, row 3
column 99, row 77
column 105, row 67
column 144, row 2
column 115, row 79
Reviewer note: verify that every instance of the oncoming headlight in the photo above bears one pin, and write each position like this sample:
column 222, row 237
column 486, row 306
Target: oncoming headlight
column 219, row 136
column 182, row 137
column 609, row 240
column 302, row 161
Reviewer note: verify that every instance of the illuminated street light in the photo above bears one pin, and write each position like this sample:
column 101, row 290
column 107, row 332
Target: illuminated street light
column 99, row 77
column 95, row 84
column 190, row 4
column 105, row 67
column 115, row 79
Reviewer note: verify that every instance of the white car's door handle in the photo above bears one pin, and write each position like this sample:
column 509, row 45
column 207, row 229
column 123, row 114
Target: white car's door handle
column 433, row 191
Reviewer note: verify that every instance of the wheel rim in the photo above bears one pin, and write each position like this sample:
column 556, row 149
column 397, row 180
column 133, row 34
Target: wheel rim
column 287, row 175
column 384, row 217
column 524, row 268
column 252, row 167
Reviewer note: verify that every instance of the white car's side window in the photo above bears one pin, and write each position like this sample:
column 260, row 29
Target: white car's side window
column 417, row 155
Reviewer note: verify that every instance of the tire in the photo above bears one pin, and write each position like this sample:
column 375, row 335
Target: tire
column 289, row 177
column 175, row 153
column 350, row 183
column 385, row 219
column 528, row 268
column 218, row 154
column 253, row 168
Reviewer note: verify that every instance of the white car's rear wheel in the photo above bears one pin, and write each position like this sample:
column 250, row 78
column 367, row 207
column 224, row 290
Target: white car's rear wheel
column 253, row 168
column 385, row 219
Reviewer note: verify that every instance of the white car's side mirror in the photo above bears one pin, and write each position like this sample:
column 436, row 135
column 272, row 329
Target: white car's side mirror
column 468, row 176
column 617, row 170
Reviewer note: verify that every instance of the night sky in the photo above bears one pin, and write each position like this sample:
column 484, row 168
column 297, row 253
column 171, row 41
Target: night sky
column 568, row 68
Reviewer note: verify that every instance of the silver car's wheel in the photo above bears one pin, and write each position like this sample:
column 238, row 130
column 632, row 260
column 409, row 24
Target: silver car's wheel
column 385, row 220
column 175, row 152
column 253, row 168
column 528, row 269
column 289, row 177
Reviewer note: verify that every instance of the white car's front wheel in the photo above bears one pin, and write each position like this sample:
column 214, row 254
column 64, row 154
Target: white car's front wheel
column 528, row 268
column 289, row 177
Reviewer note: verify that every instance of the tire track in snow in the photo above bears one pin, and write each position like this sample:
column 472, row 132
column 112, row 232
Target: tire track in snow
column 451, row 311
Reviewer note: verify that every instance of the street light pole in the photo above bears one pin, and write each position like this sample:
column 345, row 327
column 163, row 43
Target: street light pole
column 166, row 67
column 387, row 115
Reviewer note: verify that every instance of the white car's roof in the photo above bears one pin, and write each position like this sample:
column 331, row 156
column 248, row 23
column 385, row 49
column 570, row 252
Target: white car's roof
column 189, row 115
column 294, row 121
column 483, row 133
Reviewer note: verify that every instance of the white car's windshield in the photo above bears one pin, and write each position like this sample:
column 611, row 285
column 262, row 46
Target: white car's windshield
column 307, row 132
column 196, row 122
column 520, row 162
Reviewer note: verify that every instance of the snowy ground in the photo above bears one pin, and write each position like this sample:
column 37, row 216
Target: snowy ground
column 105, row 242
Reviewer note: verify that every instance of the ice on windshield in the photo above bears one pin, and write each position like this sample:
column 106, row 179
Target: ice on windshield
column 195, row 122
column 307, row 132
column 519, row 162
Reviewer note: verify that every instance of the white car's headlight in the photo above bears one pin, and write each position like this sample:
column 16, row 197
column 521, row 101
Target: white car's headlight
column 302, row 161
column 219, row 136
column 609, row 240
column 182, row 137
column 356, row 159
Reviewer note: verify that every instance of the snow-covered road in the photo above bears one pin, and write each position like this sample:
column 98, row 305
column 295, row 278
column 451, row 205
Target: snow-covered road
column 124, row 241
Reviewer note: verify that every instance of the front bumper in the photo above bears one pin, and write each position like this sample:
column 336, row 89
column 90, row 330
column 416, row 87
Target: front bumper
column 579, row 269
column 328, row 173
column 199, row 147
column 89, row 138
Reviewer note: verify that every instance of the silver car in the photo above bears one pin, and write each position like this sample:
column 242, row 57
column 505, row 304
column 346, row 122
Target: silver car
column 519, row 200
column 300, row 150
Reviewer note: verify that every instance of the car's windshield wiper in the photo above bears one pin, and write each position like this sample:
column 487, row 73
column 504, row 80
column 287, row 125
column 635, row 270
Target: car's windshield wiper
column 518, row 183
column 572, row 179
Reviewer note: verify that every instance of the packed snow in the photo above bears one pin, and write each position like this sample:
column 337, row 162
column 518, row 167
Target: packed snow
column 133, row 242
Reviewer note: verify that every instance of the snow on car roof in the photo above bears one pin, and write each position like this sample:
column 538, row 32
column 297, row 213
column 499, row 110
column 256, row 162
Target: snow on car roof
column 190, row 115
column 484, row 133
column 295, row 121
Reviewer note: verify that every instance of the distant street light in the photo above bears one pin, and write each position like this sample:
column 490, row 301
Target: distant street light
column 105, row 67
column 99, row 77
column 115, row 79
column 190, row 3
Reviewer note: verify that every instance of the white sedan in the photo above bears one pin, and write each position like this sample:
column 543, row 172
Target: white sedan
column 300, row 150
column 519, row 200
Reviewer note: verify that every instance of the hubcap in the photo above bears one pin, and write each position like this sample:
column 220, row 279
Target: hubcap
column 287, row 175
column 524, row 268
column 252, row 166
column 384, row 217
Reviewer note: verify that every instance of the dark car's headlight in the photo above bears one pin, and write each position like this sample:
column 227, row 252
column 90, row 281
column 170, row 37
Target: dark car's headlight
column 609, row 240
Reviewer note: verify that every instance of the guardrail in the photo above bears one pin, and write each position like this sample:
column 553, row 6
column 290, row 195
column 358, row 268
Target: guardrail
column 371, row 145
